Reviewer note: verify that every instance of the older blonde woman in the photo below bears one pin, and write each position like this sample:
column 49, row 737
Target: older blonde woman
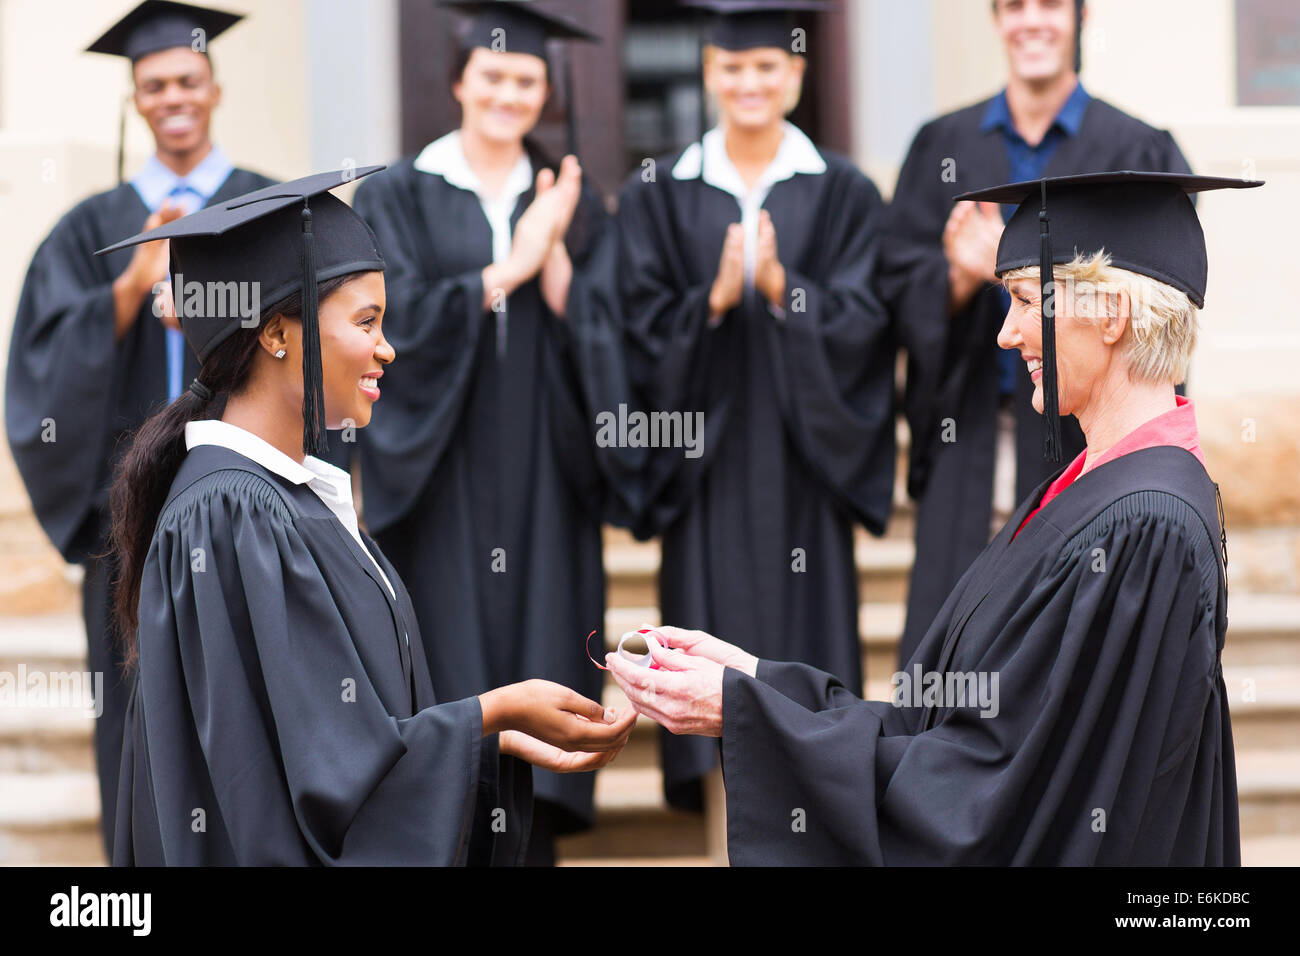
column 1067, row 705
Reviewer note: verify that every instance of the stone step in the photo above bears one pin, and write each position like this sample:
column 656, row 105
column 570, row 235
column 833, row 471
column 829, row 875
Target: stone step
column 1271, row 850
column 1262, row 629
column 33, row 577
column 46, row 739
column 52, row 641
column 664, row 834
column 639, row 861
column 1268, row 787
column 48, row 818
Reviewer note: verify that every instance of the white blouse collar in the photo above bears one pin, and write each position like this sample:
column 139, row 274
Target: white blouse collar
column 444, row 157
column 796, row 154
column 259, row 450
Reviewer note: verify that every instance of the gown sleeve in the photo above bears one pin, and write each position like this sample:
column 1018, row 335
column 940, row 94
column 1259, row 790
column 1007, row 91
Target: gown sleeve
column 834, row 359
column 60, row 377
column 243, row 642
column 433, row 321
column 588, row 371
column 1106, row 680
column 672, row 351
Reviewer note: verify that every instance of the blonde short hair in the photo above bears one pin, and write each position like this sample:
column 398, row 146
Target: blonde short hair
column 1162, row 326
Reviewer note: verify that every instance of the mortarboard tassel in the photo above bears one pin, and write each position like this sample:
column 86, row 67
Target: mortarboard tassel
column 704, row 108
column 1051, row 403
column 314, row 438
column 121, row 142
column 570, row 110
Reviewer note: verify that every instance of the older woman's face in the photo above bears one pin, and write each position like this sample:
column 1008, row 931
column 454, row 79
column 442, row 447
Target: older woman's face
column 752, row 87
column 501, row 95
column 1083, row 354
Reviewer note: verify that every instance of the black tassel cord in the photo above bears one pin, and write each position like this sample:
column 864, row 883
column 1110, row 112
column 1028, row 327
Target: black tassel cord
column 314, row 438
column 1046, row 286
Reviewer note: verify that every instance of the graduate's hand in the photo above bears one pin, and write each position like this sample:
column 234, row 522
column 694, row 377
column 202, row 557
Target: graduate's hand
column 535, row 233
column 769, row 274
column 729, row 284
column 703, row 644
column 970, row 244
column 557, row 276
column 568, row 190
column 148, row 267
column 555, row 715
column 164, row 306
column 543, row 755
column 684, row 695
column 149, row 262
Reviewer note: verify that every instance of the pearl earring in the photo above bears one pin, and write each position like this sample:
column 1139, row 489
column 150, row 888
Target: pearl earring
column 280, row 354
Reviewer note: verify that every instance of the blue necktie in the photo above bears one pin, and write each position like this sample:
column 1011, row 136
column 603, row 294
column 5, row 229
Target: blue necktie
column 181, row 193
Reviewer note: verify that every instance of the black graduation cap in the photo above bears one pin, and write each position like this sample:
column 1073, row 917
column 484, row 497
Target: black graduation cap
column 160, row 25
column 270, row 236
column 746, row 24
column 1144, row 220
column 521, row 26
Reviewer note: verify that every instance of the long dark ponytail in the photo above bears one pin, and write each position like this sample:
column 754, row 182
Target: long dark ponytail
column 144, row 476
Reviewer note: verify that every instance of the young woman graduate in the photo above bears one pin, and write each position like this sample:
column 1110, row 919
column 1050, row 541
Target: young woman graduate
column 283, row 710
column 964, row 395
column 482, row 479
column 1067, row 705
column 747, row 264
column 90, row 359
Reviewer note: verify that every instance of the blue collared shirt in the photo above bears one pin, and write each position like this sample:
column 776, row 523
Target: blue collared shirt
column 155, row 184
column 1027, row 162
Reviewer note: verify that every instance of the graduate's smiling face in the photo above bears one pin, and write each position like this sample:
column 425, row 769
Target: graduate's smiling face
column 1086, row 344
column 753, row 88
column 353, row 351
column 501, row 95
column 175, row 94
column 1038, row 36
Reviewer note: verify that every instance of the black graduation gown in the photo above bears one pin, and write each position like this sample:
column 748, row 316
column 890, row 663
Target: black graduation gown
column 480, row 473
column 1104, row 621
column 280, row 715
column 952, row 366
column 66, row 369
column 798, row 421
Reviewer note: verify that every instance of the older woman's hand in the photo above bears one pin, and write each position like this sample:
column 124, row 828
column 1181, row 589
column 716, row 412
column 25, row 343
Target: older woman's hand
column 684, row 694
column 703, row 644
